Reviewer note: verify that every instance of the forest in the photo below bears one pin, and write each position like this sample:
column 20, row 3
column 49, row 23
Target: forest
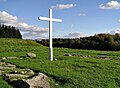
column 107, row 42
column 9, row 32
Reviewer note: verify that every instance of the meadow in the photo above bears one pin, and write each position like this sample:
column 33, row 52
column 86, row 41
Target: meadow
column 67, row 71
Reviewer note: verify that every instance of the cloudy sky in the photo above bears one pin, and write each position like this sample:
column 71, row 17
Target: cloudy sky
column 80, row 17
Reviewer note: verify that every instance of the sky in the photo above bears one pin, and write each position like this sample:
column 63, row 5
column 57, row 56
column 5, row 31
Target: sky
column 80, row 18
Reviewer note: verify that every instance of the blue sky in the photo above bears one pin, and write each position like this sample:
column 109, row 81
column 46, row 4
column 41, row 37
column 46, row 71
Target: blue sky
column 80, row 17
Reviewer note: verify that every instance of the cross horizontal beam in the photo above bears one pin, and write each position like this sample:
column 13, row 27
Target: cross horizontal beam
column 49, row 19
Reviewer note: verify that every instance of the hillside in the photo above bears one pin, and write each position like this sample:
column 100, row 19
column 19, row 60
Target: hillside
column 84, row 69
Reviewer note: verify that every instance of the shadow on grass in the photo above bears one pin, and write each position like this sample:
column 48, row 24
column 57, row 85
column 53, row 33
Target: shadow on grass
column 117, row 82
column 20, row 84
column 61, row 80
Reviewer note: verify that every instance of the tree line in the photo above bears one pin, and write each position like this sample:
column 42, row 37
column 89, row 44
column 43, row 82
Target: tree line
column 9, row 32
column 106, row 42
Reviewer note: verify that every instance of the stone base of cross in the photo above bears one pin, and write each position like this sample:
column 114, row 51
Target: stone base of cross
column 50, row 19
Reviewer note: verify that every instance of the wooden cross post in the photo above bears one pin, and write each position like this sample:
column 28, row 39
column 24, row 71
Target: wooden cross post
column 50, row 19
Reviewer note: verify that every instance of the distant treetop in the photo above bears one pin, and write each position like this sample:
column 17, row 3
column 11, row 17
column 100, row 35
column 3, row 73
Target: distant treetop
column 106, row 42
column 9, row 32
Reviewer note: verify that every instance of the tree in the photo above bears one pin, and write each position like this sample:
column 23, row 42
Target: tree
column 9, row 32
column 96, row 42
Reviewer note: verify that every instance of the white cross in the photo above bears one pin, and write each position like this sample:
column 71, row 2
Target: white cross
column 50, row 19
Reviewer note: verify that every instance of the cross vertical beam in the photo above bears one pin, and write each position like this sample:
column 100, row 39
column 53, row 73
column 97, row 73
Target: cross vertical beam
column 50, row 36
column 50, row 19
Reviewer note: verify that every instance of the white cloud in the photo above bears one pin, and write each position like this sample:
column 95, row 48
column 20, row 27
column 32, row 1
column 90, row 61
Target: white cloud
column 119, row 20
column 110, row 5
column 7, row 18
column 26, row 29
column 117, row 30
column 63, row 6
column 81, row 14
column 75, row 35
column 34, row 35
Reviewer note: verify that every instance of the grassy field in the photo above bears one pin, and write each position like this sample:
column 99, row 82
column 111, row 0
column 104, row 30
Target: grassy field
column 67, row 72
column 3, row 84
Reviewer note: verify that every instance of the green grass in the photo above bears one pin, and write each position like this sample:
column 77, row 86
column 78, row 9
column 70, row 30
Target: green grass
column 67, row 72
column 19, row 48
column 83, row 73
column 3, row 84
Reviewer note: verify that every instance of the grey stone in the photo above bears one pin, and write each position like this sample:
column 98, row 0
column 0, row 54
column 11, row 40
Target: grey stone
column 39, row 81
column 56, row 84
column 67, row 55
column 30, row 71
column 3, row 58
column 55, row 59
column 5, row 67
column 12, row 77
column 17, row 75
column 2, row 63
column 10, row 65
column 1, row 72
column 11, row 57
column 22, row 72
column 31, row 55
